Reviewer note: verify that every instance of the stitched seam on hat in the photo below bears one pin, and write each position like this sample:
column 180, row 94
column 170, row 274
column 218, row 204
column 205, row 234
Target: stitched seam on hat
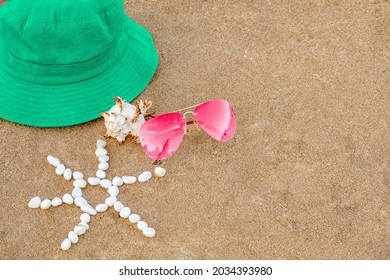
column 142, row 43
column 65, row 66
column 58, row 66
column 64, row 21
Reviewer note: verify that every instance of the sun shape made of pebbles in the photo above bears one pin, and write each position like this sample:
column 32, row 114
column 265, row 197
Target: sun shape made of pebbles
column 113, row 189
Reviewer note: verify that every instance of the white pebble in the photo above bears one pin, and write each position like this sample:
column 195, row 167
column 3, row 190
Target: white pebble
column 65, row 245
column 141, row 225
column 117, row 181
column 82, row 224
column 105, row 183
column 88, row 209
column 144, row 176
column 35, row 202
column 129, row 179
column 78, row 201
column 113, row 191
column 73, row 237
column 134, row 218
column 149, row 232
column 85, row 218
column 46, row 204
column 100, row 143
column 103, row 165
column 67, row 198
column 93, row 181
column 100, row 174
column 102, row 207
column 118, row 206
column 53, row 161
column 60, row 169
column 67, row 174
column 79, row 230
column 104, row 158
column 125, row 212
column 77, row 192
column 159, row 171
column 78, row 175
column 80, row 183
column 110, row 201
column 56, row 201
column 100, row 152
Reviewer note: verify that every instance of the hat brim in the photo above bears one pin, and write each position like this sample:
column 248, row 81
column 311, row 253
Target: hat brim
column 66, row 105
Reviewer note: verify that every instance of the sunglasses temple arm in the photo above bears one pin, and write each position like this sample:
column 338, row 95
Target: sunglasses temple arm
column 186, row 108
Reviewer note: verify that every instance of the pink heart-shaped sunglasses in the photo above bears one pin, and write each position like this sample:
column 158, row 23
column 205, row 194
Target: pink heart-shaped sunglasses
column 161, row 136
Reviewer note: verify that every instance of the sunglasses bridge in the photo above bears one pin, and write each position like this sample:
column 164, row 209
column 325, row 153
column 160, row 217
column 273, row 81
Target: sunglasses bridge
column 191, row 122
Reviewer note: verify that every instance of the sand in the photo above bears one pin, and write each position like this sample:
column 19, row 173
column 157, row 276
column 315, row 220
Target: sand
column 307, row 175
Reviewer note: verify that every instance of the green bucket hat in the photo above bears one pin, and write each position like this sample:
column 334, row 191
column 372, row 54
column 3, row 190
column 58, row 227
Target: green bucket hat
column 62, row 61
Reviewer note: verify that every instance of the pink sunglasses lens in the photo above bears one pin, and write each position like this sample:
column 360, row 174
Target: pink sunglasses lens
column 217, row 118
column 161, row 136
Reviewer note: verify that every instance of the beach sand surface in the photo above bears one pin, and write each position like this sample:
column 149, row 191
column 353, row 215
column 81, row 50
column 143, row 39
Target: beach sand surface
column 307, row 175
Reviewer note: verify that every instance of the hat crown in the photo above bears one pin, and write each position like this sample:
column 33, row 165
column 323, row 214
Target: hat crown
column 60, row 32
